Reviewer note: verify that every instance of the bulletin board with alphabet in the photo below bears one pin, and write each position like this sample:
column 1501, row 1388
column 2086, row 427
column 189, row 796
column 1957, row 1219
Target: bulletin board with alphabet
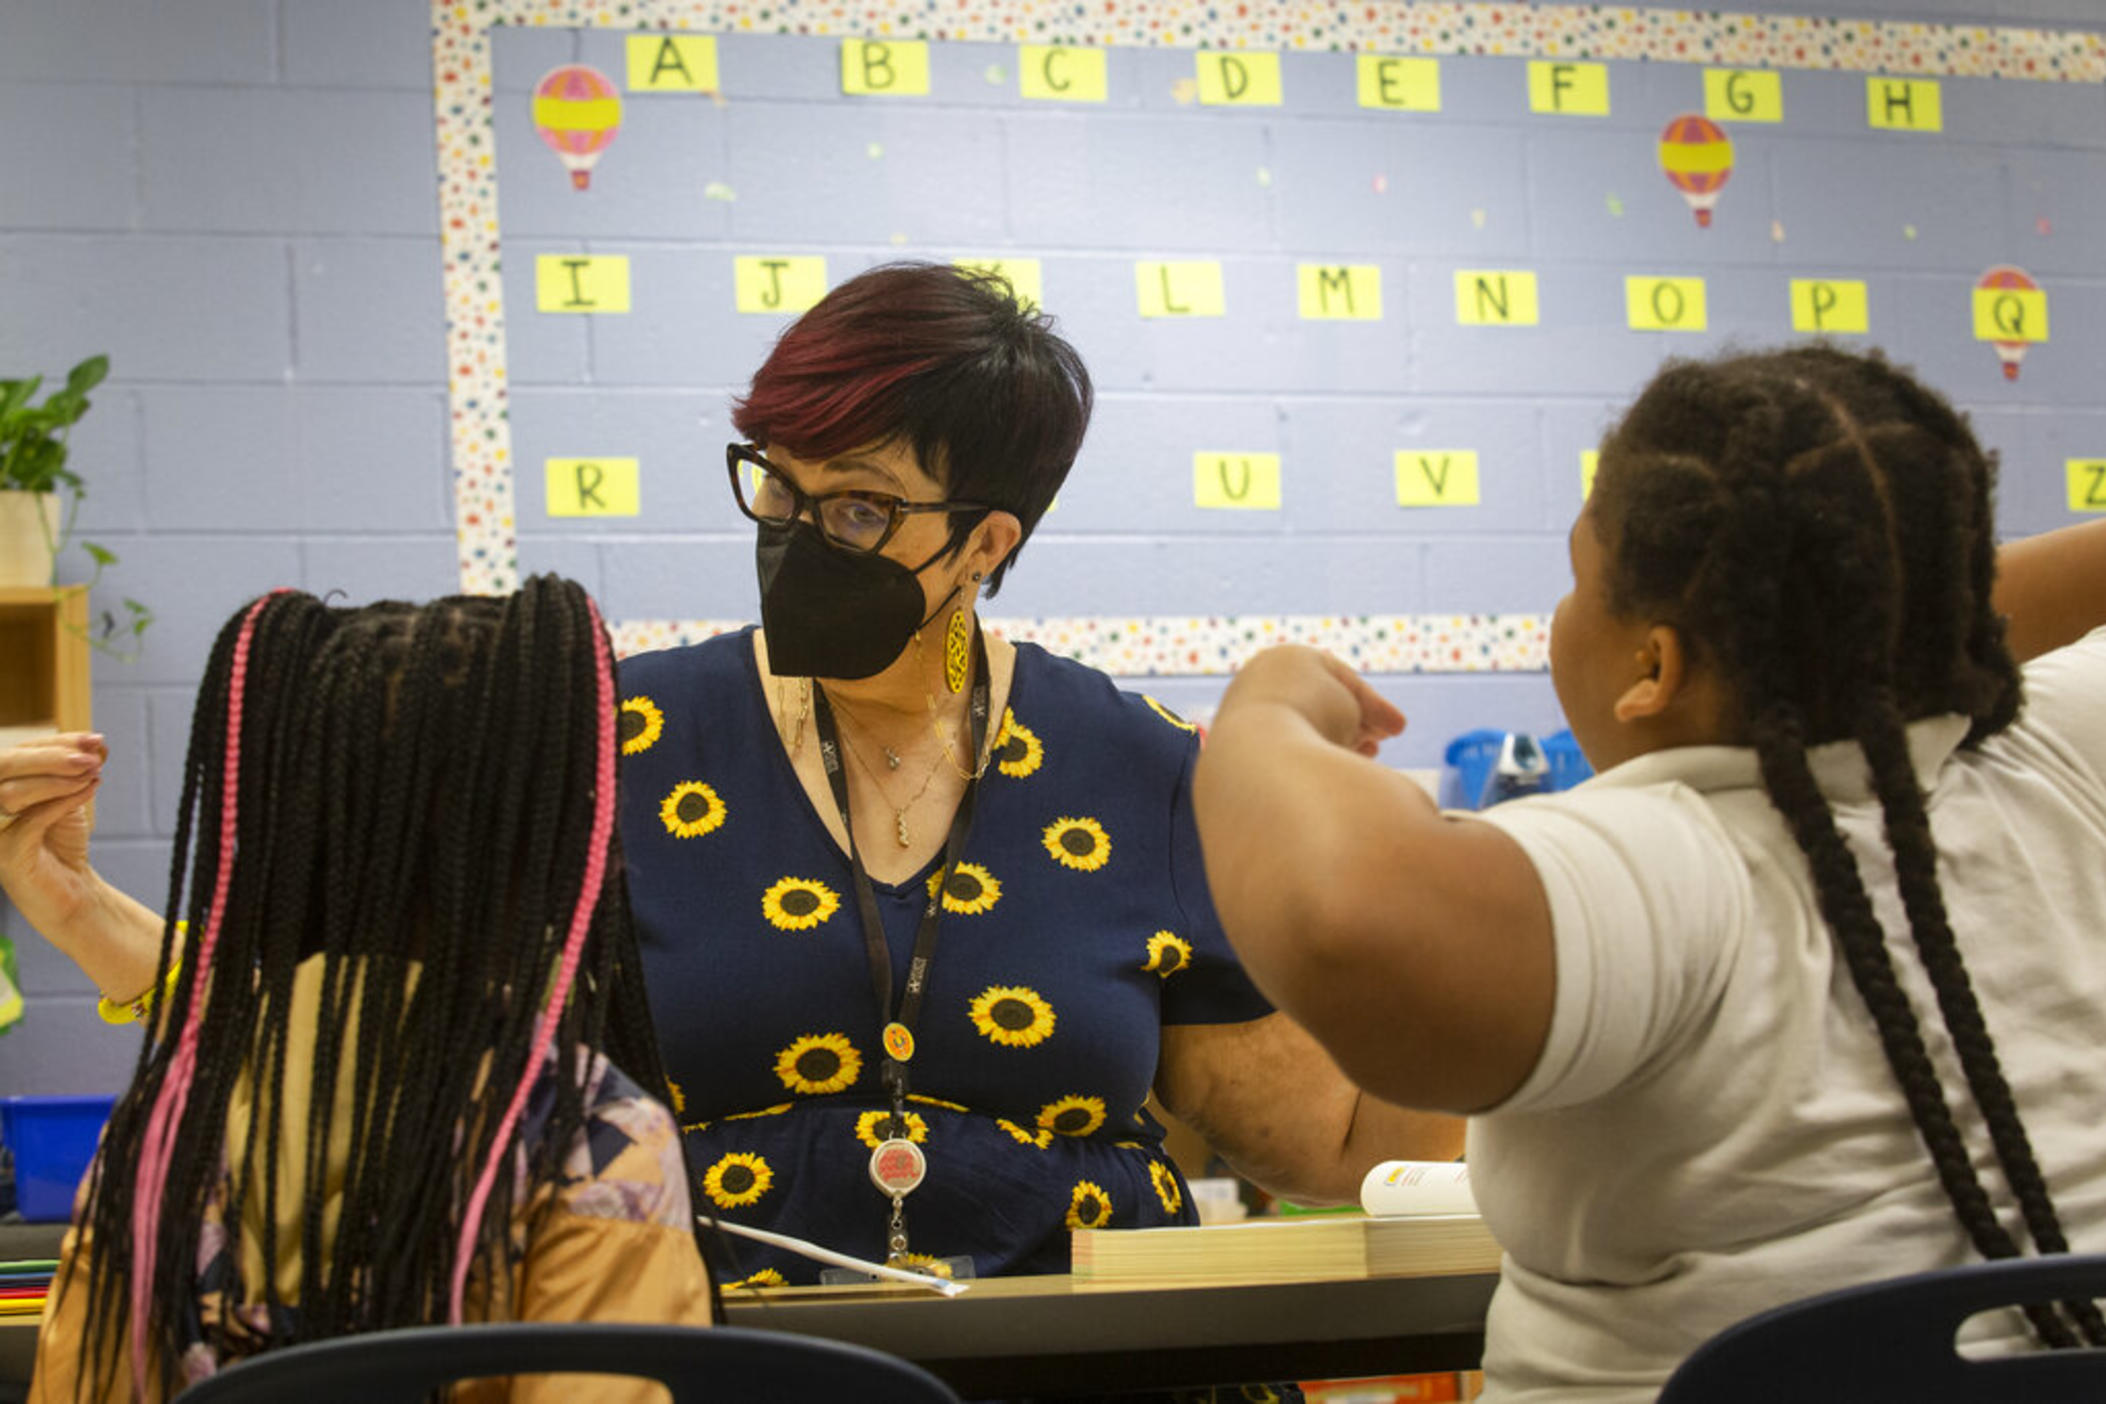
column 1359, row 289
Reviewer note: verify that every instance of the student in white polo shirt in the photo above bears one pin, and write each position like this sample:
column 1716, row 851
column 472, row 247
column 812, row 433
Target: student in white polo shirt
column 1808, row 986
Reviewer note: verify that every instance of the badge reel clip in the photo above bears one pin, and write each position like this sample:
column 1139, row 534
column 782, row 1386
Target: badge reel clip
column 897, row 1168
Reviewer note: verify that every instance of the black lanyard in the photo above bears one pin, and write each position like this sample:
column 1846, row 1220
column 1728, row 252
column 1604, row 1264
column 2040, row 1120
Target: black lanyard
column 894, row 1074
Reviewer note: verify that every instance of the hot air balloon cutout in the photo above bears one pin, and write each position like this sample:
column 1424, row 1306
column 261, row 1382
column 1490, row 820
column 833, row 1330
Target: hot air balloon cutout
column 2003, row 318
column 577, row 111
column 1697, row 156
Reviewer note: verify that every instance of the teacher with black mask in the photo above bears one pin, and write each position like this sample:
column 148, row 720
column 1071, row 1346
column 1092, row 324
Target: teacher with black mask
column 922, row 911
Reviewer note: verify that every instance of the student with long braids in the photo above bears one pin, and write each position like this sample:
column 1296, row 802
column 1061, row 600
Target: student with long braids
column 403, row 1071
column 1806, row 988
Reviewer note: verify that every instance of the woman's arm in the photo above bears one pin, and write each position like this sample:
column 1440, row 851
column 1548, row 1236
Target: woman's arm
column 2051, row 588
column 46, row 785
column 1417, row 949
column 1269, row 1099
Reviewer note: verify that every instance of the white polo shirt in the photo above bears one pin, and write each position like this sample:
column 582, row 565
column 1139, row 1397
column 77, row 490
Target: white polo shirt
column 1712, row 1129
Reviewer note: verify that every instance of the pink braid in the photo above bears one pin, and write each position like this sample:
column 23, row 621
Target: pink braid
column 151, row 1179
column 573, row 949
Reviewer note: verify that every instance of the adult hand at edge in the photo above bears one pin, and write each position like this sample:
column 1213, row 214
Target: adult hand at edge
column 45, row 786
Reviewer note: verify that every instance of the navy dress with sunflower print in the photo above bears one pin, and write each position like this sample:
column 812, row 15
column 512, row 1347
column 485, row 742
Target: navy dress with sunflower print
column 1077, row 925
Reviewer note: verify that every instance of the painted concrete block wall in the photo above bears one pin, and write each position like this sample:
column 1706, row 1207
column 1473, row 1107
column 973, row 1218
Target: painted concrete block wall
column 234, row 199
column 784, row 165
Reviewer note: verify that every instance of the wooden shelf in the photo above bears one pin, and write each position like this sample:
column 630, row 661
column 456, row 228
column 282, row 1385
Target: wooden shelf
column 43, row 661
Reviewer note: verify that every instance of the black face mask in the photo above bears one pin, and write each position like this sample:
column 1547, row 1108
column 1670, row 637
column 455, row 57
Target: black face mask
column 834, row 614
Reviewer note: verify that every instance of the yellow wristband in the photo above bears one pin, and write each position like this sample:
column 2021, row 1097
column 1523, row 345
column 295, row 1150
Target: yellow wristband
column 133, row 1010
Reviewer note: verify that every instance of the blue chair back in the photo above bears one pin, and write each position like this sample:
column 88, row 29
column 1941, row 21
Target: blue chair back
column 720, row 1363
column 1892, row 1343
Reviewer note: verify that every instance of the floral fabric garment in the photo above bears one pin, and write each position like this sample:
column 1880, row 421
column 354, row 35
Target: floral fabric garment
column 1075, row 927
column 616, row 1245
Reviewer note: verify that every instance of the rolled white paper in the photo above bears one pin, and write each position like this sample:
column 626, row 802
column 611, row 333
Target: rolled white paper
column 1418, row 1187
column 805, row 1248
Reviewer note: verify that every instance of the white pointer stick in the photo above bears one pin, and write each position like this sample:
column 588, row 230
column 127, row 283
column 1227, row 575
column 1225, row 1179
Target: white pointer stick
column 817, row 1254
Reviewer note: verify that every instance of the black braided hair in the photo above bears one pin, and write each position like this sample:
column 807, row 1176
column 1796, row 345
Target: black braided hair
column 1817, row 524
column 414, row 802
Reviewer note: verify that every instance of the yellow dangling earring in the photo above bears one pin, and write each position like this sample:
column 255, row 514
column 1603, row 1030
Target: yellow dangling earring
column 957, row 648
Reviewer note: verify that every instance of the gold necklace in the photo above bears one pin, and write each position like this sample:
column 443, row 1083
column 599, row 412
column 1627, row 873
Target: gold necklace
column 782, row 711
column 936, row 729
column 892, row 757
column 899, row 811
column 965, row 772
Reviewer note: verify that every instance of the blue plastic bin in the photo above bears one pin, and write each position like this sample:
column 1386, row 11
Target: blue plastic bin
column 1466, row 763
column 52, row 1139
column 1568, row 765
column 1468, row 760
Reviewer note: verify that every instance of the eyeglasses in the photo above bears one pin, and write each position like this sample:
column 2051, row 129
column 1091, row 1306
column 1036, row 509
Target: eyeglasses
column 856, row 520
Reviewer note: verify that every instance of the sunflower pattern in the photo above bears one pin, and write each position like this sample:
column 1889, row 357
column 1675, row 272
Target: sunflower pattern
column 1017, row 751
column 1080, row 844
column 1048, row 1053
column 736, row 1180
column 1089, row 1206
column 819, row 1064
column 798, row 904
column 691, row 810
column 640, row 725
column 766, row 1277
column 1023, row 1137
column 1012, row 1016
column 970, row 889
column 1166, row 1189
column 1072, row 1116
column 1167, row 715
column 925, row 1262
column 871, row 1131
column 1167, row 954
column 679, row 1097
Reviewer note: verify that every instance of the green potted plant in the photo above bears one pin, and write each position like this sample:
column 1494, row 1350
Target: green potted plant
column 40, row 496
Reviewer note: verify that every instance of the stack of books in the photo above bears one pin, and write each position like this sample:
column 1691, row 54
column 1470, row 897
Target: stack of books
column 24, row 1285
column 1421, row 1222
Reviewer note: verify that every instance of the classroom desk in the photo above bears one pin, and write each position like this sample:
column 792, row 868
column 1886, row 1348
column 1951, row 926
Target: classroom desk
column 1048, row 1336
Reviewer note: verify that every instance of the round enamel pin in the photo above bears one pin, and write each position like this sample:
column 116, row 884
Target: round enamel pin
column 899, row 1042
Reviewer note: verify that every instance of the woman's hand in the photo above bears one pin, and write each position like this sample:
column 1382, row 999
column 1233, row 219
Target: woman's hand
column 45, row 787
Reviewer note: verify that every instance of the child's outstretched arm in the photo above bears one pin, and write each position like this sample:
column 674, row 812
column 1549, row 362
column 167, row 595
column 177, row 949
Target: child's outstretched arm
column 2052, row 587
column 1418, row 949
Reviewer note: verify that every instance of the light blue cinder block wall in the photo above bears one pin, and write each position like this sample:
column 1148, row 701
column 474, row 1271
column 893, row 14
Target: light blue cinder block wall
column 235, row 199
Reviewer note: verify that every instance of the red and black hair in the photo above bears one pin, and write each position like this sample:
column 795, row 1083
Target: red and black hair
column 942, row 359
